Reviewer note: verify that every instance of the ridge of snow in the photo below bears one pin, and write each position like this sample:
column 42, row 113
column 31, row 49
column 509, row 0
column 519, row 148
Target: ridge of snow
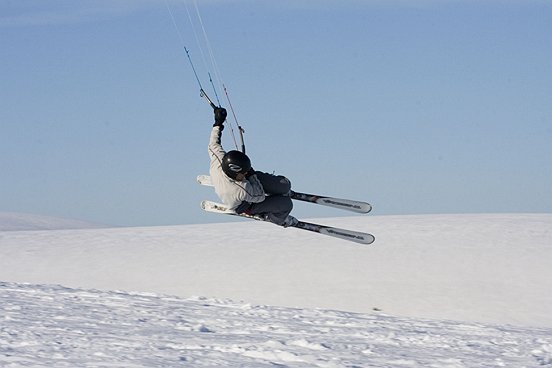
column 492, row 268
column 14, row 221
column 54, row 326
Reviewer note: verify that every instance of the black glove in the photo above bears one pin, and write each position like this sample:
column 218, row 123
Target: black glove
column 250, row 173
column 220, row 116
column 243, row 207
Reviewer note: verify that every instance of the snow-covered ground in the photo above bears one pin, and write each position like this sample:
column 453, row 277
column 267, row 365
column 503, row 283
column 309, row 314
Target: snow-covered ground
column 53, row 326
column 433, row 291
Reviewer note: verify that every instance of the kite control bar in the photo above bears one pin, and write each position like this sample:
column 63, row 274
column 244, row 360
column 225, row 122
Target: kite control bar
column 203, row 94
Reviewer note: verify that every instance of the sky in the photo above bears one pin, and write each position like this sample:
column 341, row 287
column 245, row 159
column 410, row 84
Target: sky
column 417, row 107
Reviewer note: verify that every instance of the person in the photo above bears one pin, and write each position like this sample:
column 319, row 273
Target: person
column 243, row 189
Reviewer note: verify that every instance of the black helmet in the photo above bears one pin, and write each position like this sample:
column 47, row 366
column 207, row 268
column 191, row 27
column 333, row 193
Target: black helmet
column 234, row 163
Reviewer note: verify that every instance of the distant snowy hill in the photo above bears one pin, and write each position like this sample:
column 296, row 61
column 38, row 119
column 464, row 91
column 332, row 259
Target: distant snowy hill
column 476, row 268
column 11, row 221
column 53, row 326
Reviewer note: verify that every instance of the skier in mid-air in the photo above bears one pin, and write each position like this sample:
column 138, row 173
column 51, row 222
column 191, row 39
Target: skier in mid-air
column 243, row 189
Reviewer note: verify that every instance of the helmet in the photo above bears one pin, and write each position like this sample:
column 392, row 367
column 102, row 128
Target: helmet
column 234, row 163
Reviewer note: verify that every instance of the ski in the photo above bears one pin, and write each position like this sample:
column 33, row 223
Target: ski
column 355, row 236
column 343, row 204
column 340, row 203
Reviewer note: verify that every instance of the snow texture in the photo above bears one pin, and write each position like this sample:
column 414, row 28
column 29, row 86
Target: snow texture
column 53, row 326
column 433, row 291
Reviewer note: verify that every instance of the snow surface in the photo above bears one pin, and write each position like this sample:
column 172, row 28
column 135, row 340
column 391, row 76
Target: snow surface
column 432, row 291
column 54, row 326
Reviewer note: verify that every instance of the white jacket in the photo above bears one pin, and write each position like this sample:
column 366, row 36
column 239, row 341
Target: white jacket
column 231, row 192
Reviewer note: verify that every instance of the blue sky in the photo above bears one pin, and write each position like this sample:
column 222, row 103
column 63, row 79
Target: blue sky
column 415, row 106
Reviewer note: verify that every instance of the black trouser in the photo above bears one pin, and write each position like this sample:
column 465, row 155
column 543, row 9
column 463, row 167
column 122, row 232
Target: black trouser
column 277, row 204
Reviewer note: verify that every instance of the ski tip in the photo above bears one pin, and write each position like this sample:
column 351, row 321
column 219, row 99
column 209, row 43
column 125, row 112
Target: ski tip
column 362, row 207
column 365, row 239
column 370, row 239
column 367, row 208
